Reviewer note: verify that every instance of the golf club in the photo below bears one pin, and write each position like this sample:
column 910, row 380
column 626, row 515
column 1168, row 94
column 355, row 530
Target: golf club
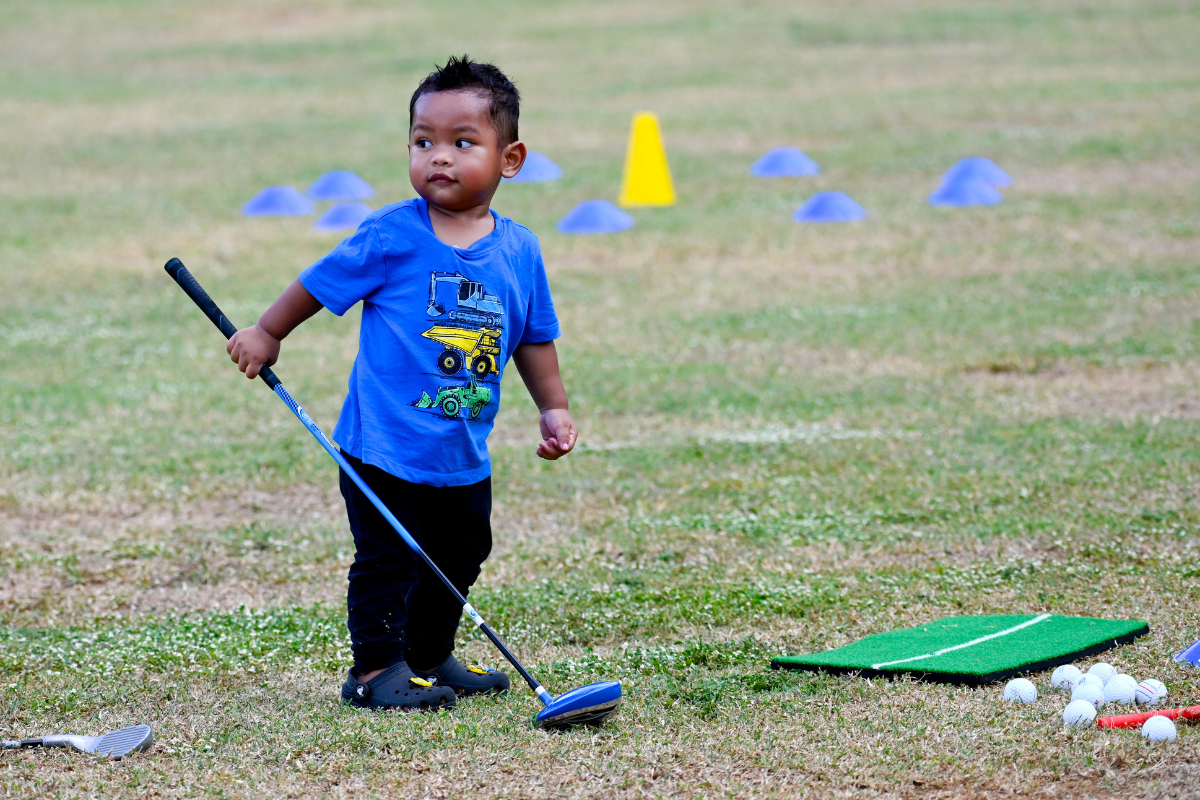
column 1135, row 720
column 587, row 705
column 117, row 744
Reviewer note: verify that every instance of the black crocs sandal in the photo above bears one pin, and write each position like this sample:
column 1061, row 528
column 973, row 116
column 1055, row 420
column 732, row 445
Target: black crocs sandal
column 397, row 687
column 468, row 679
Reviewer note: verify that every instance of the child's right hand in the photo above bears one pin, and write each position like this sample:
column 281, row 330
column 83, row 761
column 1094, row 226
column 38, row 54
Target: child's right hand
column 252, row 349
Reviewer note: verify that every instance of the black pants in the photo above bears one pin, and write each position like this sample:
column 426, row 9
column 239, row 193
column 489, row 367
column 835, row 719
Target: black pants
column 398, row 609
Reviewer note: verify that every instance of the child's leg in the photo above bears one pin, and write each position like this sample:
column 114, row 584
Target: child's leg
column 384, row 568
column 456, row 532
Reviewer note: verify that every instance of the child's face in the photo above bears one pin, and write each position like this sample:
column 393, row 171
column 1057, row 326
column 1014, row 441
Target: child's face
column 454, row 156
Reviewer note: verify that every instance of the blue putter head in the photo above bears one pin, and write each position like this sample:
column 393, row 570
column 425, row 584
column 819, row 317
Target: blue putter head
column 587, row 705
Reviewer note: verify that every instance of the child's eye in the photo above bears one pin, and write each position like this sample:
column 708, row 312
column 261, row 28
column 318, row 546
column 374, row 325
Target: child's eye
column 423, row 143
column 462, row 144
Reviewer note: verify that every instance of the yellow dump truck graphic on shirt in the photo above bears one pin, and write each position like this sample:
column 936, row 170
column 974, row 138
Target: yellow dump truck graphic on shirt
column 477, row 347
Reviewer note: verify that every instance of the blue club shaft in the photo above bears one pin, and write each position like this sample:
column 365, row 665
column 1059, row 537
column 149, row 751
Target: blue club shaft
column 194, row 290
column 337, row 456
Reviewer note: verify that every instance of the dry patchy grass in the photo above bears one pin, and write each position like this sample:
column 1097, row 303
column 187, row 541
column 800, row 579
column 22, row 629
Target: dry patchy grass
column 1151, row 392
column 811, row 736
column 794, row 435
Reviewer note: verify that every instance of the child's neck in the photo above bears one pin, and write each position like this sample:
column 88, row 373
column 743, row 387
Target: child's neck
column 461, row 228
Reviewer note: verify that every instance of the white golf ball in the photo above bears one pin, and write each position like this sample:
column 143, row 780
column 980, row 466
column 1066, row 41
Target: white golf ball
column 1120, row 689
column 1089, row 692
column 1065, row 677
column 1159, row 729
column 1079, row 714
column 1094, row 680
column 1020, row 690
column 1150, row 692
column 1105, row 672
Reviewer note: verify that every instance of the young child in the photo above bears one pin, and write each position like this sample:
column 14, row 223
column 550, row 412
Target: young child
column 450, row 290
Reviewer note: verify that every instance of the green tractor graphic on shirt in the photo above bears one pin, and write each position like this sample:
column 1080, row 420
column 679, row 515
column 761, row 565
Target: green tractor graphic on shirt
column 453, row 399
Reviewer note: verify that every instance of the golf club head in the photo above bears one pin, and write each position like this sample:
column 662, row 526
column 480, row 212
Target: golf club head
column 587, row 705
column 117, row 744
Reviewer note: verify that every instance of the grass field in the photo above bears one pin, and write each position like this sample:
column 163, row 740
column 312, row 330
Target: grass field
column 793, row 436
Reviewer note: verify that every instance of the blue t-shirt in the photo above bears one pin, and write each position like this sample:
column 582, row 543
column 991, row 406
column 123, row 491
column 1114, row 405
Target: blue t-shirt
column 439, row 324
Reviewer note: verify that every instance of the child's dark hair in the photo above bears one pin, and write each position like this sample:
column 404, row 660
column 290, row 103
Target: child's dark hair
column 463, row 74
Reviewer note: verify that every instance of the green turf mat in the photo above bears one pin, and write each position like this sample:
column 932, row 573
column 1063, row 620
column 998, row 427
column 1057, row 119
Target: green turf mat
column 973, row 650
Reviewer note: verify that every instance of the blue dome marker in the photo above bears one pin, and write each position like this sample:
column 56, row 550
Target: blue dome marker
column 829, row 207
column 784, row 162
column 340, row 185
column 1190, row 655
column 965, row 192
column 278, row 201
column 342, row 216
column 595, row 216
column 537, row 168
column 980, row 169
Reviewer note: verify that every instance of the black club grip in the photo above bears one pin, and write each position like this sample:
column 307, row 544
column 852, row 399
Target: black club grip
column 194, row 290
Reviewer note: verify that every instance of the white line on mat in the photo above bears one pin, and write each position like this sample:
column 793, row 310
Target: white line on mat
column 943, row 651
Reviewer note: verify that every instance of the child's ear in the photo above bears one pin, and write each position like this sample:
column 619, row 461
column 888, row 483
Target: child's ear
column 512, row 158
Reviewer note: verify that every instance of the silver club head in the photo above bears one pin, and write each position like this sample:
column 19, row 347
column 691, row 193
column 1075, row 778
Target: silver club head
column 118, row 744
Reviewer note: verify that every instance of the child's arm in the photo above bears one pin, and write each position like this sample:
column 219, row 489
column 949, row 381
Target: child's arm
column 258, row 346
column 538, row 365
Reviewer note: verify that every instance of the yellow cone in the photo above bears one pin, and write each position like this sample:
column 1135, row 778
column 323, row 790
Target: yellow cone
column 647, row 179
